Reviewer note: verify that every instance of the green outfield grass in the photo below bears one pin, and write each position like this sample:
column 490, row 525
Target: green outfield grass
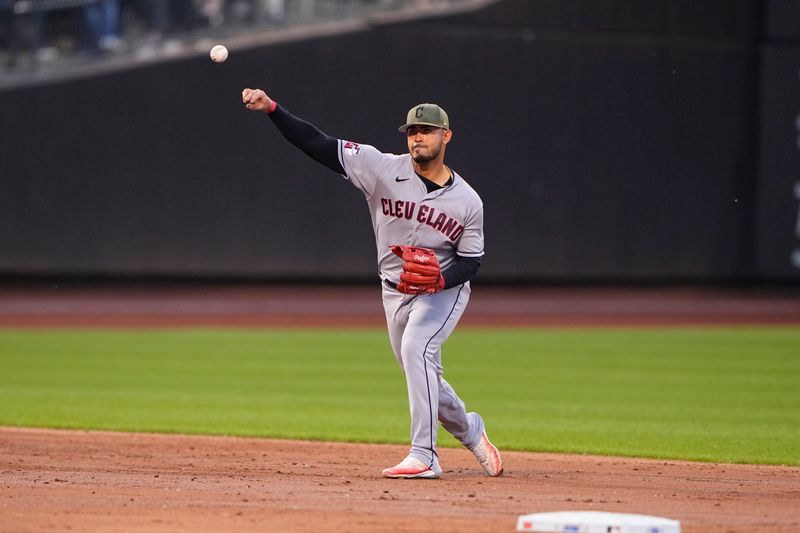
column 717, row 394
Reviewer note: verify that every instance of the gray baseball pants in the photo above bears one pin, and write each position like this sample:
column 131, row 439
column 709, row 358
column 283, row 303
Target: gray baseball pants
column 418, row 326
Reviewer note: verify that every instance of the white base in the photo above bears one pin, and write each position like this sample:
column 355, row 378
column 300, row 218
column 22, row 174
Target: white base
column 596, row 522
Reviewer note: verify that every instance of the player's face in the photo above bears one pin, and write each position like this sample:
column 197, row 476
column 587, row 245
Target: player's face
column 425, row 142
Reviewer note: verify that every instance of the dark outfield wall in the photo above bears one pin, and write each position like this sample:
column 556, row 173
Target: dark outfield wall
column 778, row 214
column 613, row 143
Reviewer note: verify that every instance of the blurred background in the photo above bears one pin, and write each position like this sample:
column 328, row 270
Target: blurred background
column 615, row 141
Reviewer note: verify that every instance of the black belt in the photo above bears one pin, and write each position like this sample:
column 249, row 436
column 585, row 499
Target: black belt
column 391, row 284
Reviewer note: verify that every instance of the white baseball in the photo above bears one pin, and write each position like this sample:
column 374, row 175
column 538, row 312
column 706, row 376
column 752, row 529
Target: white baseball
column 219, row 53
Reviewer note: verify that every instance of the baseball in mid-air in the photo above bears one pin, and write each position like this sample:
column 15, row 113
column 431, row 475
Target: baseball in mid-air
column 219, row 53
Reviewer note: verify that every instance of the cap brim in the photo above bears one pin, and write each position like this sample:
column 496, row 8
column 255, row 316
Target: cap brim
column 404, row 127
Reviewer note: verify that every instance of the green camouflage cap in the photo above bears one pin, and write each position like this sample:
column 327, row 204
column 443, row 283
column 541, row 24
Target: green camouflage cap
column 426, row 115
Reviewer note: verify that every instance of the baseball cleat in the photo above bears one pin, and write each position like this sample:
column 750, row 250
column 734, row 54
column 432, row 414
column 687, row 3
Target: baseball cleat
column 486, row 453
column 411, row 468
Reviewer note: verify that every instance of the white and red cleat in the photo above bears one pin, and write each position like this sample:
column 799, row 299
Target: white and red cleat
column 411, row 468
column 486, row 453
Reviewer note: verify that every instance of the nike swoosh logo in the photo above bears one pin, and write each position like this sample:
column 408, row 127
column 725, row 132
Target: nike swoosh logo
column 397, row 179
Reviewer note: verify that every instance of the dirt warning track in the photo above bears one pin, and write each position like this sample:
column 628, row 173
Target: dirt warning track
column 265, row 306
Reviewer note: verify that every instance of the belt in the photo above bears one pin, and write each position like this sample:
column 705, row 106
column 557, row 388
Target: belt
column 391, row 284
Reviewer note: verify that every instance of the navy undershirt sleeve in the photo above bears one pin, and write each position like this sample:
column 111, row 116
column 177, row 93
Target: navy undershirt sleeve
column 314, row 143
column 461, row 271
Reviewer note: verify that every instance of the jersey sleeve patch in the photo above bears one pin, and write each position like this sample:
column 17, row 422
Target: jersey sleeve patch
column 350, row 148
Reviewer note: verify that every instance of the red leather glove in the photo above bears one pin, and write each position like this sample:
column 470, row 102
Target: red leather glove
column 421, row 271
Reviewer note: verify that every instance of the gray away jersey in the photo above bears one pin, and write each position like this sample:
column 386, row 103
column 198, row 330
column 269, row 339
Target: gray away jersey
column 448, row 220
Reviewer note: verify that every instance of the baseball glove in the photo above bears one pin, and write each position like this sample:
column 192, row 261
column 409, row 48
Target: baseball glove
column 421, row 271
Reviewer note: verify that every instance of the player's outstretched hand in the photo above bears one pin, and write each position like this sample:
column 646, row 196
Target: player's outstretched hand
column 257, row 100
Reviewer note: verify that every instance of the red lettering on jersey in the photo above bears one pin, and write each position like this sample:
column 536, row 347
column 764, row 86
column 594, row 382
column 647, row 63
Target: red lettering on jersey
column 423, row 210
column 439, row 222
column 431, row 211
column 449, row 226
column 426, row 214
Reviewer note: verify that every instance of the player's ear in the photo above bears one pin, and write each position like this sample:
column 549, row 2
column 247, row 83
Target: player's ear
column 448, row 134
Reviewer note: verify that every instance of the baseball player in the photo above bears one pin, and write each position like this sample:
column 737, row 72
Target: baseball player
column 428, row 225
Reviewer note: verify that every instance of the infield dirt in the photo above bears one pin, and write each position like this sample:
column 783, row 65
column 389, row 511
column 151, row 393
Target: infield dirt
column 104, row 481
